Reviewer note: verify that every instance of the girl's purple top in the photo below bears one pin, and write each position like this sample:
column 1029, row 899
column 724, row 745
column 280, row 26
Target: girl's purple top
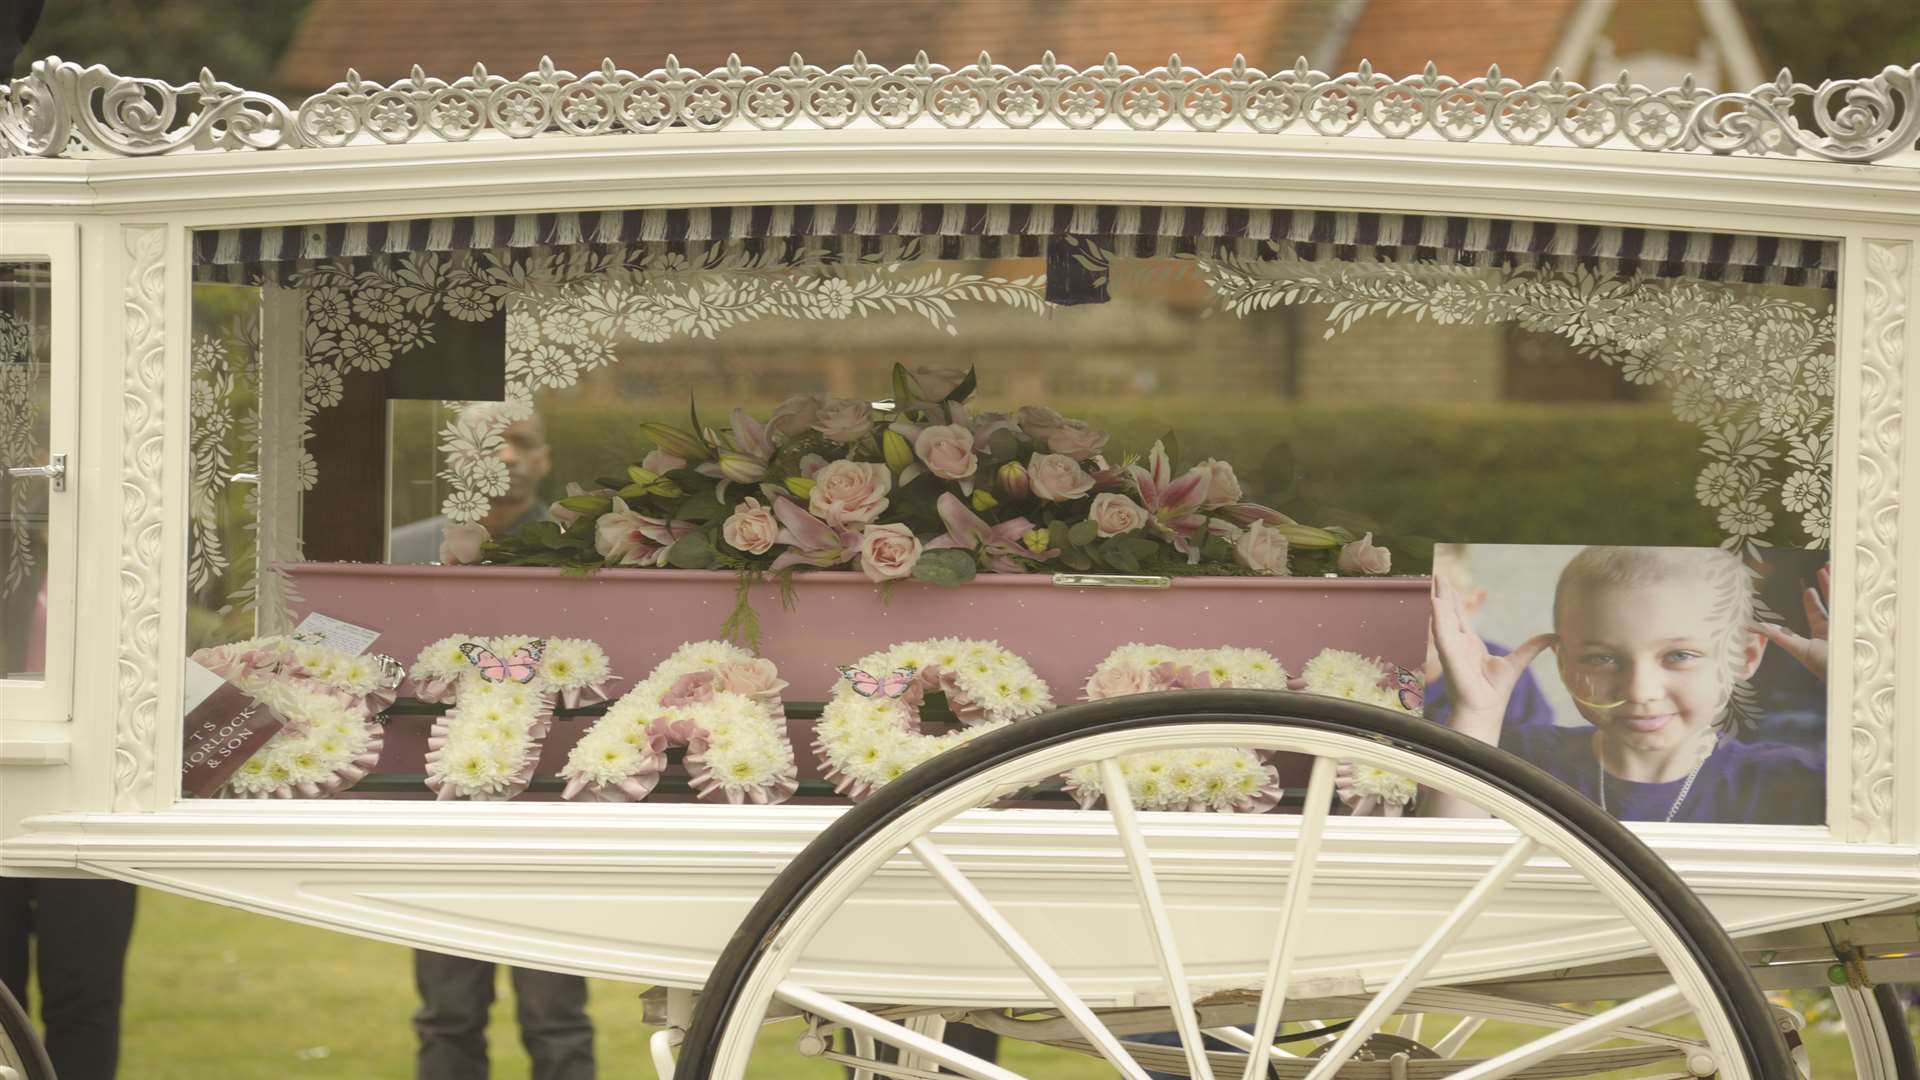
column 1745, row 783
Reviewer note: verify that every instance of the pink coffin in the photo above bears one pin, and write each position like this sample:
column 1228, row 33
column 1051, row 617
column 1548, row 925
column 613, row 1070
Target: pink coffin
column 640, row 616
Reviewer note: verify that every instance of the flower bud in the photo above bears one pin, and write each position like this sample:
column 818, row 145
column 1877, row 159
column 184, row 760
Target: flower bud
column 1306, row 536
column 898, row 450
column 675, row 441
column 742, row 468
column 1036, row 540
column 983, row 500
column 1013, row 481
column 801, row 486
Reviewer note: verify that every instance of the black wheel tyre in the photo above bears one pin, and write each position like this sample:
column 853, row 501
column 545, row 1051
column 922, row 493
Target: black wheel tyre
column 1893, row 1016
column 1746, row 1007
column 20, row 1046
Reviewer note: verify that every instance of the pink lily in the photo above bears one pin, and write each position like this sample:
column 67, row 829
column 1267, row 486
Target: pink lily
column 999, row 547
column 744, row 453
column 634, row 539
column 1171, row 502
column 810, row 540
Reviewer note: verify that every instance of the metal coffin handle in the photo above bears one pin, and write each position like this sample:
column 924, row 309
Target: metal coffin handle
column 56, row 472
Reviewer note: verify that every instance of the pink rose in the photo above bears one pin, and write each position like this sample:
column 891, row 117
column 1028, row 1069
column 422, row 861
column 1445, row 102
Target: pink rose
column 756, row 678
column 850, row 492
column 1364, row 557
column 794, row 415
column 811, row 464
column 947, row 450
column 1077, row 439
column 843, row 421
column 1038, row 422
column 1121, row 681
column 1057, row 477
column 1261, row 548
column 1114, row 514
column 1223, row 488
column 693, row 688
column 888, row 552
column 750, row 528
column 460, row 542
column 660, row 463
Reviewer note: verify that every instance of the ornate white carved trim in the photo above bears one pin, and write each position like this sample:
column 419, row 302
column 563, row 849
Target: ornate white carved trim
column 61, row 108
column 1877, row 558
column 142, row 523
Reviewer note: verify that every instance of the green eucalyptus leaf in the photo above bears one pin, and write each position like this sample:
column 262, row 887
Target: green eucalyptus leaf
column 945, row 567
column 691, row 552
column 1119, row 556
column 1003, row 445
column 1083, row 533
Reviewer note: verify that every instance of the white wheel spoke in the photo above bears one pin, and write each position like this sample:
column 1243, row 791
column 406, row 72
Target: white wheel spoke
column 1663, row 1004
column 896, row 1035
column 1029, row 960
column 1154, row 906
column 1240, row 1040
column 933, row 1026
column 1408, row 978
column 1306, row 851
column 1450, row 1043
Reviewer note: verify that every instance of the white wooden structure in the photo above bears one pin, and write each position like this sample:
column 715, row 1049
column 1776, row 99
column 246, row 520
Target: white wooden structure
column 111, row 178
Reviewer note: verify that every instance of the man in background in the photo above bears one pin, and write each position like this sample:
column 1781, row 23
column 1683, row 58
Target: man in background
column 528, row 459
column 456, row 992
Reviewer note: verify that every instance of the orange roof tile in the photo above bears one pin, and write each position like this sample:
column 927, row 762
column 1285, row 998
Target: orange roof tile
column 1461, row 37
column 382, row 40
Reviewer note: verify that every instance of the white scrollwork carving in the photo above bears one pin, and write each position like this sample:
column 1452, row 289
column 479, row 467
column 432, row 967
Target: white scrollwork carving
column 1877, row 554
column 142, row 525
column 61, row 107
column 1753, row 372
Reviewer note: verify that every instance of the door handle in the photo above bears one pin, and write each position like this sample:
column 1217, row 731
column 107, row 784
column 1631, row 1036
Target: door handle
column 56, row 472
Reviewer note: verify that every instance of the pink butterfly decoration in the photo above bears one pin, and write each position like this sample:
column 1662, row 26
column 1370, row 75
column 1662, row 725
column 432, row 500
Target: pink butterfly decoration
column 521, row 667
column 895, row 684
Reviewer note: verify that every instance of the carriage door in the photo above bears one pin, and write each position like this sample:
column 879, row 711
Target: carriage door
column 39, row 388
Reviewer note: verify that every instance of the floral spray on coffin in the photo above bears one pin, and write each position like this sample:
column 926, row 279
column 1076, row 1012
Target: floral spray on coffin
column 921, row 487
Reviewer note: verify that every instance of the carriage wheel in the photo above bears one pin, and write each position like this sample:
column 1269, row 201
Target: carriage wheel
column 21, row 1055
column 1549, row 825
column 1877, row 1033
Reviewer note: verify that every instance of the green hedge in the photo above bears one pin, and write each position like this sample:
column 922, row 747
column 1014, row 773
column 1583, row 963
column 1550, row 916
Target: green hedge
column 1507, row 473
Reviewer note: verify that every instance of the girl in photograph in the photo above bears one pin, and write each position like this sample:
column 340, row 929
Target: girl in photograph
column 1651, row 644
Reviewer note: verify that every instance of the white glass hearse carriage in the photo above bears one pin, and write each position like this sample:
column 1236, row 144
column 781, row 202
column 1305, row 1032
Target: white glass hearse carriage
column 558, row 497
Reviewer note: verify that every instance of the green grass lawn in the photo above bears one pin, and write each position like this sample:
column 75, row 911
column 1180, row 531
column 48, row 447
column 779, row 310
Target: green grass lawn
column 219, row 994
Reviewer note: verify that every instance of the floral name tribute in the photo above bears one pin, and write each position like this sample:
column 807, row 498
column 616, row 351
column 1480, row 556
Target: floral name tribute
column 723, row 704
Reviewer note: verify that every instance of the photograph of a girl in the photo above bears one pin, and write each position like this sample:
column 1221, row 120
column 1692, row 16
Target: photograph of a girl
column 1676, row 693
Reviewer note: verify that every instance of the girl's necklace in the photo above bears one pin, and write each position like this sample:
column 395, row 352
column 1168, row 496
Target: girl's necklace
column 1677, row 799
